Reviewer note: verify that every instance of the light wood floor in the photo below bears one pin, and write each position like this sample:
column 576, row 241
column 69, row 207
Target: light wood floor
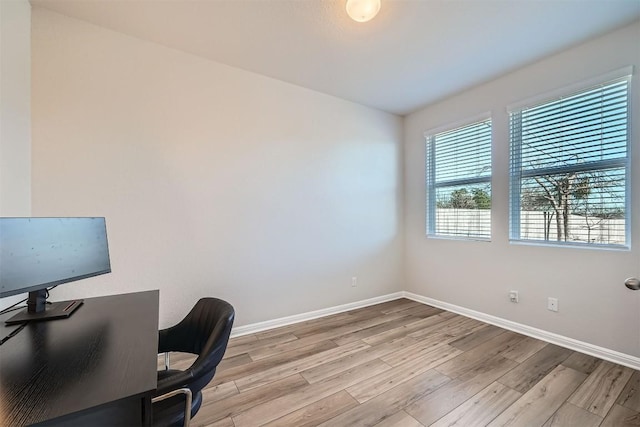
column 402, row 363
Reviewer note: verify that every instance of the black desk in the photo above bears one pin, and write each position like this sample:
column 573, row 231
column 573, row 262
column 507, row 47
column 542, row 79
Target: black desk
column 98, row 367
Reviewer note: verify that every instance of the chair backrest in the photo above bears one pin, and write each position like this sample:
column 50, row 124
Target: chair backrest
column 204, row 331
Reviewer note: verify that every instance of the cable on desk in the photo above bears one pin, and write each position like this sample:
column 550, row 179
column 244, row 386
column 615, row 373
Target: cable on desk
column 48, row 289
column 13, row 333
column 12, row 307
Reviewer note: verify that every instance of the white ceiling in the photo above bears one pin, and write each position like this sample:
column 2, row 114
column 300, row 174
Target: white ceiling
column 413, row 53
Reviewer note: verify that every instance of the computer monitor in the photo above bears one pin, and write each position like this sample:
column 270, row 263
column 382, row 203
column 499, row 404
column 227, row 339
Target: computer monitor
column 38, row 253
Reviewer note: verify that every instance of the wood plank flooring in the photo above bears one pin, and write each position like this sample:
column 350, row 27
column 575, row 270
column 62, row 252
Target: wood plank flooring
column 405, row 364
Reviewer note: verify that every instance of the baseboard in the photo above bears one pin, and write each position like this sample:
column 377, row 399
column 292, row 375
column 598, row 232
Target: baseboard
column 297, row 318
column 570, row 343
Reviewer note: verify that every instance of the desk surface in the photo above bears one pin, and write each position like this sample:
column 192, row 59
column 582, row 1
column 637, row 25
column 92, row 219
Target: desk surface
column 106, row 351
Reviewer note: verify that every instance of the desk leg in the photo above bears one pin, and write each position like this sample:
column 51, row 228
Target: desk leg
column 147, row 411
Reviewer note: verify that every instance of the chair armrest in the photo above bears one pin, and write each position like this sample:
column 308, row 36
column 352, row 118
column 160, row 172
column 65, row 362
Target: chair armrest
column 187, row 406
column 175, row 381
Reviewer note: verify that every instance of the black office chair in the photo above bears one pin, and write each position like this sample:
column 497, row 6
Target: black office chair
column 205, row 332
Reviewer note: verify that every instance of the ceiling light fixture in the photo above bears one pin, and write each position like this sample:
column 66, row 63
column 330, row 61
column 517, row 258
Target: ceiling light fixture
column 363, row 10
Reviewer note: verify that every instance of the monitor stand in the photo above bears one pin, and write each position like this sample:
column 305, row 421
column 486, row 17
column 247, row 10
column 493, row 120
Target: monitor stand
column 38, row 309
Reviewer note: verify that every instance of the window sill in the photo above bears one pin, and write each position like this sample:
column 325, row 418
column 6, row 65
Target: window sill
column 571, row 245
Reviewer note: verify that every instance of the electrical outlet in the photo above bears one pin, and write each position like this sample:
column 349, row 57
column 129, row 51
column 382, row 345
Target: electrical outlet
column 513, row 296
column 552, row 304
column 354, row 281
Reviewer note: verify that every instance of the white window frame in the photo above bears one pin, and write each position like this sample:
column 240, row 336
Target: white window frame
column 516, row 173
column 430, row 171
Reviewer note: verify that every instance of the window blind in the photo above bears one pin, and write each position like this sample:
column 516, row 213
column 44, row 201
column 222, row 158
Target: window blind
column 459, row 182
column 569, row 167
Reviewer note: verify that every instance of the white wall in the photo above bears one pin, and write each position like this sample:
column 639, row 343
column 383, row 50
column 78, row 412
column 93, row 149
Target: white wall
column 214, row 181
column 594, row 305
column 15, row 113
column 15, row 108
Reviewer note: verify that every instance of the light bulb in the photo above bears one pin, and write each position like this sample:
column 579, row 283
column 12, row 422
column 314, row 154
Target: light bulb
column 363, row 10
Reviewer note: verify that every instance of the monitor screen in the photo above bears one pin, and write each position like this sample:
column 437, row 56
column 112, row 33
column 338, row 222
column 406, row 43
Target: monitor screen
column 36, row 253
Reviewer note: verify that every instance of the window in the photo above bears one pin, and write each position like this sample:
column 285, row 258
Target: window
column 570, row 166
column 459, row 182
